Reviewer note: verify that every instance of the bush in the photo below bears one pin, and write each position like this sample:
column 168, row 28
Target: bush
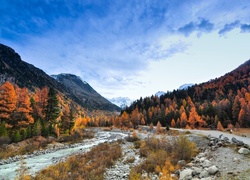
column 137, row 144
column 132, row 138
column 184, row 149
column 162, row 156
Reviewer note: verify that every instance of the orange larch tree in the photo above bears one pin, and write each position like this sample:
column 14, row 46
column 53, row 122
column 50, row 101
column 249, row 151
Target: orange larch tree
column 7, row 101
column 195, row 120
column 21, row 116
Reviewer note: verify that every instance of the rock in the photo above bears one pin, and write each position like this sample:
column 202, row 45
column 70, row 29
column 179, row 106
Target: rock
column 219, row 143
column 209, row 136
column 226, row 139
column 212, row 170
column 236, row 160
column 211, row 143
column 202, row 159
column 234, row 140
column 244, row 151
column 177, row 172
column 240, row 143
column 186, row 174
column 190, row 165
column 213, row 148
column 182, row 162
column 208, row 178
column 204, row 174
column 196, row 171
column 206, row 163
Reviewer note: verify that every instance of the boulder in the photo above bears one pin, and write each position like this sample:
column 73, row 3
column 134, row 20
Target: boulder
column 234, row 140
column 206, row 163
column 204, row 174
column 244, row 151
column 212, row 170
column 196, row 171
column 226, row 139
column 240, row 143
column 186, row 174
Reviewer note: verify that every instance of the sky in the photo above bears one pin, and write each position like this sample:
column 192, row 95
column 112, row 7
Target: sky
column 129, row 48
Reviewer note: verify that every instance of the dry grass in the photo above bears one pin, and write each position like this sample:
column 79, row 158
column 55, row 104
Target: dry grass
column 89, row 166
column 162, row 156
column 11, row 151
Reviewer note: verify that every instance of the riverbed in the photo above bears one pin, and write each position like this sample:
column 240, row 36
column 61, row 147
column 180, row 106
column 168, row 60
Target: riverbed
column 37, row 163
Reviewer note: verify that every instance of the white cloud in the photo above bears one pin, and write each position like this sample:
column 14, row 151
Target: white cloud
column 123, row 48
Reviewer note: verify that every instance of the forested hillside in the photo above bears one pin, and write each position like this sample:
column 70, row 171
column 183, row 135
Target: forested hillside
column 17, row 71
column 225, row 99
column 45, row 112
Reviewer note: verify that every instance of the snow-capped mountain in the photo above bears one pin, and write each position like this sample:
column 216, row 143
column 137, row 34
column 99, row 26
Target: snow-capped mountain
column 160, row 93
column 122, row 102
column 185, row 86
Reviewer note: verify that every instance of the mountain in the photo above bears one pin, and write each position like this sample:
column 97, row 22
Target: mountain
column 122, row 102
column 160, row 93
column 225, row 99
column 15, row 70
column 84, row 91
column 185, row 86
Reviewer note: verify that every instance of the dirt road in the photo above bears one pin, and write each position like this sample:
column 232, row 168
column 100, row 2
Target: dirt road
column 216, row 134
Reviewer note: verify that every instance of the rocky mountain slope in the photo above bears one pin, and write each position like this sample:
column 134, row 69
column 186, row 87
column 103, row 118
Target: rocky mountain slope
column 84, row 91
column 15, row 70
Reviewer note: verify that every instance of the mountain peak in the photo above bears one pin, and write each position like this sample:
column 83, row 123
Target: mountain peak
column 122, row 102
column 185, row 86
column 159, row 93
column 84, row 91
column 68, row 75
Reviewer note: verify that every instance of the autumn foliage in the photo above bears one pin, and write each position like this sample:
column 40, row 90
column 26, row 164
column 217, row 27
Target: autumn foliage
column 225, row 99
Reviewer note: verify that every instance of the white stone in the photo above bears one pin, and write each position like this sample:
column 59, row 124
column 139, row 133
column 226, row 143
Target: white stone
column 212, row 170
column 244, row 151
column 196, row 170
column 204, row 174
column 206, row 163
column 186, row 174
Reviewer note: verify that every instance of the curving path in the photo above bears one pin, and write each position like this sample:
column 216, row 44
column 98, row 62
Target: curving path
column 216, row 134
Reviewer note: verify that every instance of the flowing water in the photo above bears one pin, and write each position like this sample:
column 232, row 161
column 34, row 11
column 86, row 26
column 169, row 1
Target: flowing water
column 37, row 163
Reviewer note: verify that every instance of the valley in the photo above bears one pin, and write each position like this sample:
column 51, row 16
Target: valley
column 225, row 158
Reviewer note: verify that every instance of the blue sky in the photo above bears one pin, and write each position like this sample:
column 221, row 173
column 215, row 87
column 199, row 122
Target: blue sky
column 130, row 48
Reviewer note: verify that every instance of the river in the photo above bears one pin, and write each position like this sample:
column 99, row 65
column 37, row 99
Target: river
column 37, row 163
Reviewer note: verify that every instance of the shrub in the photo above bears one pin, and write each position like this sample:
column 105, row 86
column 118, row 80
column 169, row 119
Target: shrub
column 132, row 138
column 162, row 156
column 137, row 144
column 184, row 149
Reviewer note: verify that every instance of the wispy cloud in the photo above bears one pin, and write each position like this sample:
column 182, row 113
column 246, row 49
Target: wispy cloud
column 109, row 43
column 245, row 27
column 229, row 27
column 202, row 26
